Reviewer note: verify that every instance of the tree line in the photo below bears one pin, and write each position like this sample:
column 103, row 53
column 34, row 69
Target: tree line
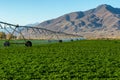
column 3, row 35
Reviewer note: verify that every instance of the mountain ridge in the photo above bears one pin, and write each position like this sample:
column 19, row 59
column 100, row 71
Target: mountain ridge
column 100, row 22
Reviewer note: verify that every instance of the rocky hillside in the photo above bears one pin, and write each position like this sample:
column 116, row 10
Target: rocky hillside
column 100, row 22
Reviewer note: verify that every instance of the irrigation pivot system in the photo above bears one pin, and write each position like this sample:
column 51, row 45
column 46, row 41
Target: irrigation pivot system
column 26, row 33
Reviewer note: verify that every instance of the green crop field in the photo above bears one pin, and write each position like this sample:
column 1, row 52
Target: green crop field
column 78, row 60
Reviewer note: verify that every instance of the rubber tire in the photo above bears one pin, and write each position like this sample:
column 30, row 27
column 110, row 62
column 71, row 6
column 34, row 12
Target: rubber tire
column 60, row 41
column 28, row 44
column 6, row 43
column 71, row 40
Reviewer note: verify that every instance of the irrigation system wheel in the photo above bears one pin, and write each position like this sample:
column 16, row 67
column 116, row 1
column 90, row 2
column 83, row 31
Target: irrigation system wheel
column 72, row 40
column 28, row 44
column 60, row 41
column 6, row 43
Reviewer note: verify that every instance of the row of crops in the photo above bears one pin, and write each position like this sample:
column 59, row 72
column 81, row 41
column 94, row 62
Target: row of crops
column 78, row 60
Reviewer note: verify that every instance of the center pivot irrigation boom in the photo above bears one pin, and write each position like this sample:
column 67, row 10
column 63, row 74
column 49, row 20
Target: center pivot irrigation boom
column 17, row 30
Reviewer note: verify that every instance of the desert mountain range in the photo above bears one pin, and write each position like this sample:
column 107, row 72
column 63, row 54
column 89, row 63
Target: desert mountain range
column 100, row 22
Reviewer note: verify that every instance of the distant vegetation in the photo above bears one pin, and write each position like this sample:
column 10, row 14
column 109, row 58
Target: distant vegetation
column 3, row 35
column 88, row 59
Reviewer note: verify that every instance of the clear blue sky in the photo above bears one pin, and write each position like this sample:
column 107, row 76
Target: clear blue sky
column 30, row 11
